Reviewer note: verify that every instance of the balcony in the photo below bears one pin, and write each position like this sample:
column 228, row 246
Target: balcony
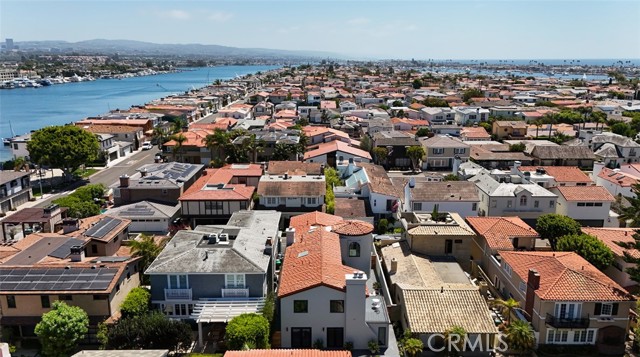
column 177, row 294
column 235, row 292
column 557, row 322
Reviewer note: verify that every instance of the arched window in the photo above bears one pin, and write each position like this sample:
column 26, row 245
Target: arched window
column 354, row 249
column 523, row 200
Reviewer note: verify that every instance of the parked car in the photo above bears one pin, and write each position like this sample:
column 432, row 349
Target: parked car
column 147, row 145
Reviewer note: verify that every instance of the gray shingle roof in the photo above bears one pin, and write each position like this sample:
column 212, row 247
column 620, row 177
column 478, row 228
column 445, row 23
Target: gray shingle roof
column 563, row 152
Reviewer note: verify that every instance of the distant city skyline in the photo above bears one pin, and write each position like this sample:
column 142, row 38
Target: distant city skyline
column 518, row 29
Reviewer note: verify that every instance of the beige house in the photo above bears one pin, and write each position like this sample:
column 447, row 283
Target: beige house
column 441, row 152
column 432, row 294
column 567, row 300
column 622, row 244
column 449, row 236
column 499, row 234
column 509, row 129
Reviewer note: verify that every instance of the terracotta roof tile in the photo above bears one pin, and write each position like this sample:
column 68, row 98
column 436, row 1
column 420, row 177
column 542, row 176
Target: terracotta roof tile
column 565, row 276
column 352, row 228
column 618, row 178
column 498, row 231
column 561, row 173
column 613, row 237
column 303, row 222
column 203, row 188
column 336, row 145
column 585, row 193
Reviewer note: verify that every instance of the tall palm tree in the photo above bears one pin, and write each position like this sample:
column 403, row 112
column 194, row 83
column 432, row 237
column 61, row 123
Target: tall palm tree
column 520, row 336
column 177, row 148
column 178, row 124
column 159, row 135
column 147, row 249
column 538, row 124
column 216, row 142
column 510, row 305
column 254, row 146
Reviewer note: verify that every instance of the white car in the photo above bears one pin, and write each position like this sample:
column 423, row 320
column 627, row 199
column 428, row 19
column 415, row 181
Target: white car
column 147, row 145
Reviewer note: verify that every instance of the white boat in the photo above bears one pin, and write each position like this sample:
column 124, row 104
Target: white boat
column 25, row 82
column 56, row 80
column 75, row 78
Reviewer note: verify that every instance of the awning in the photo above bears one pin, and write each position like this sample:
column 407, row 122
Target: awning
column 223, row 310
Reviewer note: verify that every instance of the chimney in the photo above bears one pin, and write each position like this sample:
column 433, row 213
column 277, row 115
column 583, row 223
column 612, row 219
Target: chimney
column 143, row 172
column 597, row 167
column 514, row 169
column 412, row 182
column 355, row 309
column 77, row 253
column 322, row 169
column 394, row 266
column 124, row 181
column 533, row 284
column 350, row 167
column 456, row 164
column 70, row 225
column 290, row 234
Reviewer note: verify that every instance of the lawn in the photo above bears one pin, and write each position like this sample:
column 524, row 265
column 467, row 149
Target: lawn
column 85, row 173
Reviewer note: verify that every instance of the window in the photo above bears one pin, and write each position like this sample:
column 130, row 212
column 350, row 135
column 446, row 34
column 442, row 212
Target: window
column 300, row 306
column 417, row 206
column 536, row 204
column 590, row 334
column 598, row 204
column 494, row 203
column 552, row 203
column 94, row 249
column 509, row 203
column 523, row 200
column 65, row 297
column 354, row 249
column 311, row 200
column 336, row 306
column 581, row 204
column 522, row 287
column 234, row 281
column 44, row 301
column 272, row 201
column 178, row 282
column 507, row 268
column 438, row 151
column 11, row 301
column 100, row 297
column 607, row 310
column 589, row 204
column 474, row 206
column 459, row 151
column 382, row 336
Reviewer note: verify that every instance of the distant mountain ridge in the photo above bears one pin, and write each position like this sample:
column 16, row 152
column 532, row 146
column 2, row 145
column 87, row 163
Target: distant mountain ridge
column 140, row 47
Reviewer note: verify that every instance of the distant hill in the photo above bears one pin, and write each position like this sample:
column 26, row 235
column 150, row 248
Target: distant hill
column 147, row 48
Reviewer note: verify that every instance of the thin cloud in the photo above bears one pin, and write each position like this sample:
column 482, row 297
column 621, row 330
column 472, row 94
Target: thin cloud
column 174, row 14
column 358, row 21
column 220, row 16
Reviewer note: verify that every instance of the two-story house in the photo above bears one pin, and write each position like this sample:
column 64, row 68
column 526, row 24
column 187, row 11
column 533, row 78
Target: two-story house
column 617, row 182
column 15, row 189
column 614, row 149
column 589, row 205
column 219, row 193
column 292, row 193
column 396, row 143
column 580, row 156
column 567, row 300
column 553, row 176
column 516, row 198
column 465, row 115
column 334, row 302
column 509, row 129
column 441, row 151
column 335, row 152
column 438, row 116
column 214, row 273
column 450, row 196
column 622, row 244
column 369, row 181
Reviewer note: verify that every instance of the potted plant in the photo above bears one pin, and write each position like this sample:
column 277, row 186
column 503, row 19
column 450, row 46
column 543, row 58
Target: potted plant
column 348, row 345
column 374, row 347
column 376, row 287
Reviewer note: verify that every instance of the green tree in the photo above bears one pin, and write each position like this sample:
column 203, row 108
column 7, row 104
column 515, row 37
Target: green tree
column 146, row 248
column 435, row 102
column 216, row 142
column 520, row 336
column 269, row 308
column 451, row 177
column 136, row 303
column 422, row 132
column 589, row 247
column 159, row 136
column 283, row 151
column 623, row 129
column 538, row 124
column 631, row 212
column 61, row 329
column 454, row 338
column 510, row 305
column 518, row 147
column 78, row 208
column 179, row 140
column 332, row 179
column 248, row 329
column 413, row 346
column 253, row 145
column 417, row 83
column 91, row 192
column 471, row 93
column 380, row 153
column 365, row 143
column 383, row 226
column 64, row 147
column 553, row 226
column 149, row 331
column 415, row 153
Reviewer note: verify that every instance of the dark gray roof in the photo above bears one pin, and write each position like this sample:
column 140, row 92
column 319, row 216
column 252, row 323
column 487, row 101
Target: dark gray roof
column 145, row 209
column 9, row 175
column 445, row 191
column 563, row 152
column 190, row 252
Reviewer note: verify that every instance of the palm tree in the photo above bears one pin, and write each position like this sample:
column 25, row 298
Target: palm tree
column 415, row 153
column 179, row 140
column 146, row 248
column 159, row 135
column 254, row 146
column 216, row 142
column 520, row 336
column 538, row 124
column 412, row 346
column 455, row 336
column 510, row 305
column 302, row 144
column 178, row 124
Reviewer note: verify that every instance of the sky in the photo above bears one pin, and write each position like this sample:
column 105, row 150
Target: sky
column 420, row 29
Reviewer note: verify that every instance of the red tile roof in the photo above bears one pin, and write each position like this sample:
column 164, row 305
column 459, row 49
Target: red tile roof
column 565, row 276
column 312, row 261
column 203, row 188
column 352, row 228
column 561, row 173
column 613, row 236
column 195, row 137
column 336, row 145
column 287, row 353
column 585, row 193
column 617, row 177
column 303, row 222
column 498, row 231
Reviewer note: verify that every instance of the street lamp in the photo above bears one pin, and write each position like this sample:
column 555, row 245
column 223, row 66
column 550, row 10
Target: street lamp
column 40, row 181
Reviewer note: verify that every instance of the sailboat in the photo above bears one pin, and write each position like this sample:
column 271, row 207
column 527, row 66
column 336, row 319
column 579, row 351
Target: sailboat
column 7, row 141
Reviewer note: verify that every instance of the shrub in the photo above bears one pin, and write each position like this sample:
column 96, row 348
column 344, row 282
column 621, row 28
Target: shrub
column 136, row 303
column 250, row 330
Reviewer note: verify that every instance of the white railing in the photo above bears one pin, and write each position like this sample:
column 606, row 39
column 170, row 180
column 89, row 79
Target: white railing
column 235, row 292
column 177, row 294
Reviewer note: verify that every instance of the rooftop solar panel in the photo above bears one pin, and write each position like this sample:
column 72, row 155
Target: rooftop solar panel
column 56, row 279
column 65, row 249
column 102, row 228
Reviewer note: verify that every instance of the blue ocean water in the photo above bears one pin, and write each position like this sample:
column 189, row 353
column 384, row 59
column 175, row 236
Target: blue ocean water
column 26, row 109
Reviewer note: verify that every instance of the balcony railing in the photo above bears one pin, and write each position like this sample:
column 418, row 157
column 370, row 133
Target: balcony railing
column 177, row 294
column 564, row 322
column 235, row 292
